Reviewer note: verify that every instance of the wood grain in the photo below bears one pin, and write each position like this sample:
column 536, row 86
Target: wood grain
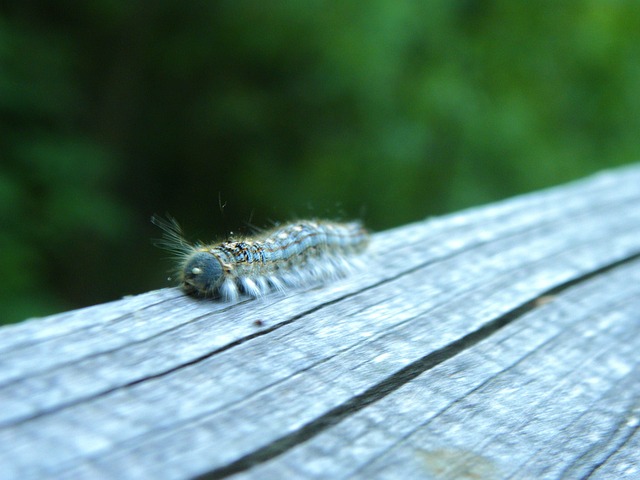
column 499, row 342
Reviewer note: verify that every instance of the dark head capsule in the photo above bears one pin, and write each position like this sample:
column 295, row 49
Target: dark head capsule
column 202, row 274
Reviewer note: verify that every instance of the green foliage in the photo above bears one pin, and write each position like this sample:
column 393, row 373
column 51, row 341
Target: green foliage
column 392, row 110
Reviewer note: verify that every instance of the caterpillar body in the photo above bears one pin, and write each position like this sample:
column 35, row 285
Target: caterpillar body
column 291, row 256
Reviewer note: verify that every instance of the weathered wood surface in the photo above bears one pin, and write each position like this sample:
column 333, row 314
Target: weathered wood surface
column 500, row 342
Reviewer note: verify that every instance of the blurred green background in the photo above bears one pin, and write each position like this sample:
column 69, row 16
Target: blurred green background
column 228, row 112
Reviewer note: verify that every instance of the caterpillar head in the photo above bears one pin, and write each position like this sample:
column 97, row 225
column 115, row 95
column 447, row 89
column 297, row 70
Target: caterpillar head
column 202, row 274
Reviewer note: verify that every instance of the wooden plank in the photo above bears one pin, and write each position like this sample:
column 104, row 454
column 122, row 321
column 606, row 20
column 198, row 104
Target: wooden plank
column 499, row 342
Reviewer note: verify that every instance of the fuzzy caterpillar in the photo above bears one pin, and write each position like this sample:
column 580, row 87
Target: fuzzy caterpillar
column 290, row 256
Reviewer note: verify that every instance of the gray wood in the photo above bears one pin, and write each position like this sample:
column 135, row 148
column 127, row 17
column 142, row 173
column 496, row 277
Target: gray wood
column 499, row 342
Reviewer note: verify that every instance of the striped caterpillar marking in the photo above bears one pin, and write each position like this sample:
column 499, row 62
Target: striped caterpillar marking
column 293, row 255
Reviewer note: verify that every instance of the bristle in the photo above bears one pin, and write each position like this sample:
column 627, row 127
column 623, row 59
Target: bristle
column 172, row 238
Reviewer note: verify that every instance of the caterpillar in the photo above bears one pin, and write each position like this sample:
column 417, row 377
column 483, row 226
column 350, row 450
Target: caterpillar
column 293, row 255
